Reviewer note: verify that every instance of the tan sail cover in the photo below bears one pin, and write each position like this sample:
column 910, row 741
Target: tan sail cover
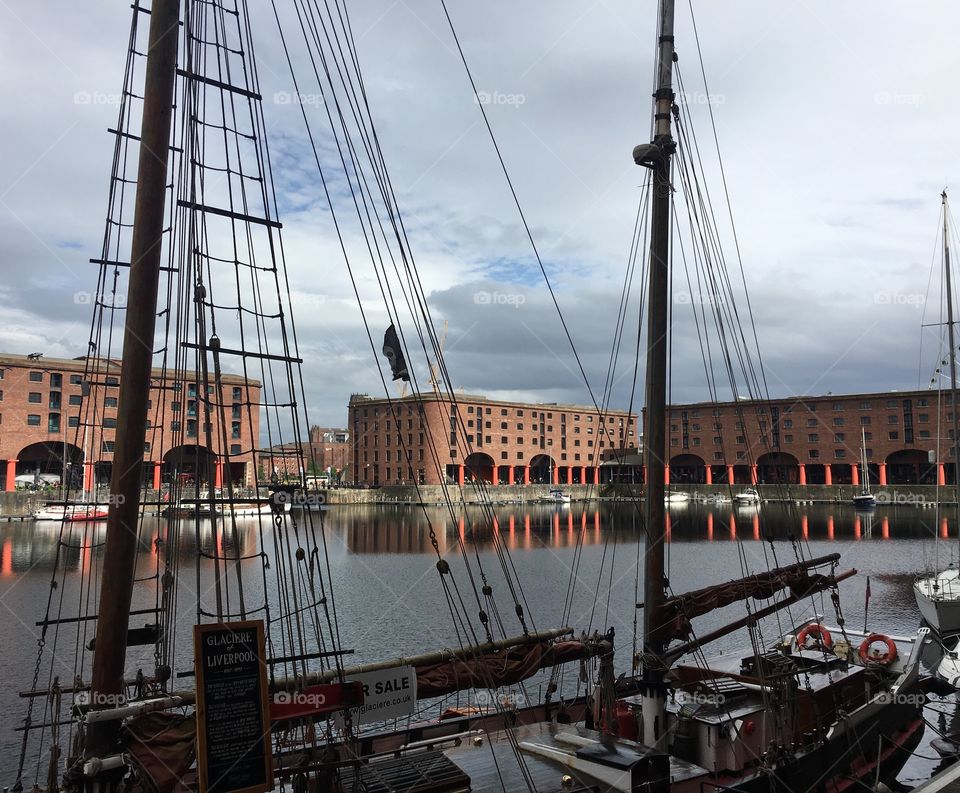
column 162, row 747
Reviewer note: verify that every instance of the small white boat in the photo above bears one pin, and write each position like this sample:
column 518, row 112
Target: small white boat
column 948, row 669
column 71, row 513
column 748, row 496
column 938, row 598
column 556, row 496
column 676, row 498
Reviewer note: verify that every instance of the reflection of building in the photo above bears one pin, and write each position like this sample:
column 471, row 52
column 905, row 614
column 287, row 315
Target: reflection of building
column 813, row 440
column 436, row 437
column 60, row 416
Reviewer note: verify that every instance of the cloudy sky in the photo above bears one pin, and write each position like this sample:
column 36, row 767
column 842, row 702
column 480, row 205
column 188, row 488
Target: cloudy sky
column 837, row 125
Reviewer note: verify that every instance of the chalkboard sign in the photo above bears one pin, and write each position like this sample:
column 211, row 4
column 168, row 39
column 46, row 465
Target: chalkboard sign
column 233, row 717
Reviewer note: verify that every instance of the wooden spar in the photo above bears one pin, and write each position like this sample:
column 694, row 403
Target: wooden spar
column 796, row 567
column 145, row 252
column 439, row 656
column 656, row 156
column 751, row 619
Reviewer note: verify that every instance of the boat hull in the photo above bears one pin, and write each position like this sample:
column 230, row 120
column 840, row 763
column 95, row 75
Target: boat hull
column 939, row 608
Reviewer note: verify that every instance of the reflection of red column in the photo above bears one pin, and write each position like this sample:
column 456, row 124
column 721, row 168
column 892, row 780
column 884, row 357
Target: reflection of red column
column 885, row 528
column 803, row 474
column 460, row 474
column 753, row 474
column 856, row 526
column 708, row 472
column 88, row 480
column 730, row 477
column 827, row 475
column 733, row 527
column 11, row 475
column 709, row 525
column 941, row 474
column 510, row 475
column 883, row 474
column 157, row 467
column 666, row 474
column 805, row 527
column 596, row 520
column 668, row 526
column 854, row 474
column 496, row 523
column 944, row 530
column 830, row 527
column 526, row 474
column 218, row 476
column 495, row 475
column 756, row 527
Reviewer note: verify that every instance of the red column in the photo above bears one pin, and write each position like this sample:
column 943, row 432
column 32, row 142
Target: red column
column 88, row 480
column 526, row 474
column 157, row 467
column 11, row 483
column 827, row 474
column 941, row 474
column 556, row 475
column 883, row 474
column 753, row 474
column 709, row 474
column 596, row 475
column 855, row 474
column 666, row 474
column 730, row 474
column 569, row 474
column 218, row 476
column 495, row 475
column 510, row 478
column 460, row 474
column 803, row 474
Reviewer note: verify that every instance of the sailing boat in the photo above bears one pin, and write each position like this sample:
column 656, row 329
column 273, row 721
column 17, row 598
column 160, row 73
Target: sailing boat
column 864, row 499
column 938, row 596
column 807, row 712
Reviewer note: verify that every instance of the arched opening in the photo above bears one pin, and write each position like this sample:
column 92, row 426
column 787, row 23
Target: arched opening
column 191, row 465
column 688, row 469
column 541, row 469
column 774, row 468
column 910, row 467
column 50, row 464
column 478, row 467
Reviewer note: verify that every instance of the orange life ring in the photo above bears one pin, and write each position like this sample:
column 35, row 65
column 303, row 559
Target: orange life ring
column 820, row 634
column 881, row 659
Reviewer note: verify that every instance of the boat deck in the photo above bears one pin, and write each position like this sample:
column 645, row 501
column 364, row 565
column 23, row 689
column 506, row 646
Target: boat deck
column 493, row 764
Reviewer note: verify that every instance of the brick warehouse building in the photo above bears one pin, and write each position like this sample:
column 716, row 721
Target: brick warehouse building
column 51, row 422
column 499, row 442
column 813, row 440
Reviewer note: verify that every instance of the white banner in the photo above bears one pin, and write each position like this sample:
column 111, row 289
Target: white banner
column 387, row 694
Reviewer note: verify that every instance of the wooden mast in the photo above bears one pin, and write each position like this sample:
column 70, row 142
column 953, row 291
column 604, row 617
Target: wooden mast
column 119, row 559
column 656, row 156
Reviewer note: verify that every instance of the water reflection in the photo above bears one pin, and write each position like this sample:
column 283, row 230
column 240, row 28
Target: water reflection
column 371, row 529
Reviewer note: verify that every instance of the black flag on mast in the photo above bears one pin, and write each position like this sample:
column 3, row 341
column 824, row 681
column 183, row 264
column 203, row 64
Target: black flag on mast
column 391, row 348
